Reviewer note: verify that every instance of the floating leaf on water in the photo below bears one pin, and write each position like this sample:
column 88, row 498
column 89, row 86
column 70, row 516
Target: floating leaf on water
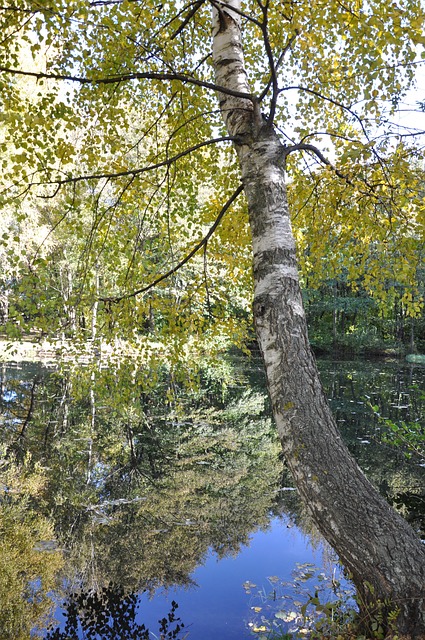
column 306, row 576
column 281, row 615
column 248, row 586
column 261, row 629
column 256, row 609
column 273, row 579
column 286, row 616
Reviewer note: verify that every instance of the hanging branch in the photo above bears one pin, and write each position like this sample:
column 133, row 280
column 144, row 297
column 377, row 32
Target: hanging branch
column 130, row 172
column 186, row 259
column 303, row 146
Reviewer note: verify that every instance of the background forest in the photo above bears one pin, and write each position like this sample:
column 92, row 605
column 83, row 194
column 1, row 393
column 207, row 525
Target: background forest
column 57, row 281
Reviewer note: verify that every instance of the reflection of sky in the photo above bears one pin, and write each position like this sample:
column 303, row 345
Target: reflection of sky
column 219, row 608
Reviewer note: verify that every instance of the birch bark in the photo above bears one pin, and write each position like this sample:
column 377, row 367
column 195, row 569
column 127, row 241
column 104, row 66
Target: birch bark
column 380, row 550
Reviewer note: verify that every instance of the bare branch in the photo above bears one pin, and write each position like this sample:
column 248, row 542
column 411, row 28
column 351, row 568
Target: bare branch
column 286, row 48
column 277, row 65
column 178, row 15
column 273, row 76
column 220, row 5
column 336, row 103
column 105, row 3
column 23, row 9
column 371, row 188
column 330, row 134
column 182, row 262
column 344, row 108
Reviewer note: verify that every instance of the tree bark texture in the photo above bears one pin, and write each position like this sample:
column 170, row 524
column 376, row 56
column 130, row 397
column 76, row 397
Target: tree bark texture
column 382, row 553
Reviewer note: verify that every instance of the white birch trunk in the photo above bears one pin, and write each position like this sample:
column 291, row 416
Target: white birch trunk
column 376, row 545
column 95, row 306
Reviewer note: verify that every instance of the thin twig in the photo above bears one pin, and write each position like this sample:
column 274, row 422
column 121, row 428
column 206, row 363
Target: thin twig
column 303, row 146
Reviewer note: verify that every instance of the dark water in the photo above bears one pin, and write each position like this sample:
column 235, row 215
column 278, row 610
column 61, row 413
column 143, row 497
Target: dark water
column 115, row 478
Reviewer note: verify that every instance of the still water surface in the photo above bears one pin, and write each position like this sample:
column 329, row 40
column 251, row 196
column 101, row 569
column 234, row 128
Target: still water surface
column 183, row 497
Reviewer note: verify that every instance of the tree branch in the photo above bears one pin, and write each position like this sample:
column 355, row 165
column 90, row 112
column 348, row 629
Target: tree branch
column 126, row 77
column 323, row 97
column 344, row 108
column 186, row 259
column 303, row 146
column 273, row 75
column 132, row 172
column 277, row 65
column 187, row 18
column 220, row 5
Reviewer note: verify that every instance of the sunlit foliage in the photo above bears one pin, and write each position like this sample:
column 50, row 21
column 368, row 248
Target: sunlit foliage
column 112, row 142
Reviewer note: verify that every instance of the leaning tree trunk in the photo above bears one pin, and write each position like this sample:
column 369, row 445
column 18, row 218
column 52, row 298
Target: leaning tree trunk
column 383, row 554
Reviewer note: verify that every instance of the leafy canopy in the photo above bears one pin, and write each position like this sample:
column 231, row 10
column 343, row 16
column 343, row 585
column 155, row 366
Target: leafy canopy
column 111, row 132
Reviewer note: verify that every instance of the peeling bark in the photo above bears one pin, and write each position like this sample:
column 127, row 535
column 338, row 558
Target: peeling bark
column 380, row 550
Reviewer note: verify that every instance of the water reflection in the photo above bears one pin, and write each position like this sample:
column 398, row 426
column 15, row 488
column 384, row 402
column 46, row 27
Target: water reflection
column 149, row 490
column 110, row 614
column 397, row 392
column 138, row 488
column 29, row 570
column 231, row 595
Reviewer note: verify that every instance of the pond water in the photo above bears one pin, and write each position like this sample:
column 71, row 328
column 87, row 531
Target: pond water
column 116, row 484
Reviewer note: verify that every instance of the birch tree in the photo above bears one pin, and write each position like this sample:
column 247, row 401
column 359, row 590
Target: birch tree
column 374, row 543
column 294, row 81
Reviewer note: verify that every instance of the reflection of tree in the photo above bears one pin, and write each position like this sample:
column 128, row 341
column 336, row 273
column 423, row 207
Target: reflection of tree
column 29, row 563
column 167, row 481
column 172, row 476
column 111, row 615
column 203, row 483
column 18, row 398
column 396, row 392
